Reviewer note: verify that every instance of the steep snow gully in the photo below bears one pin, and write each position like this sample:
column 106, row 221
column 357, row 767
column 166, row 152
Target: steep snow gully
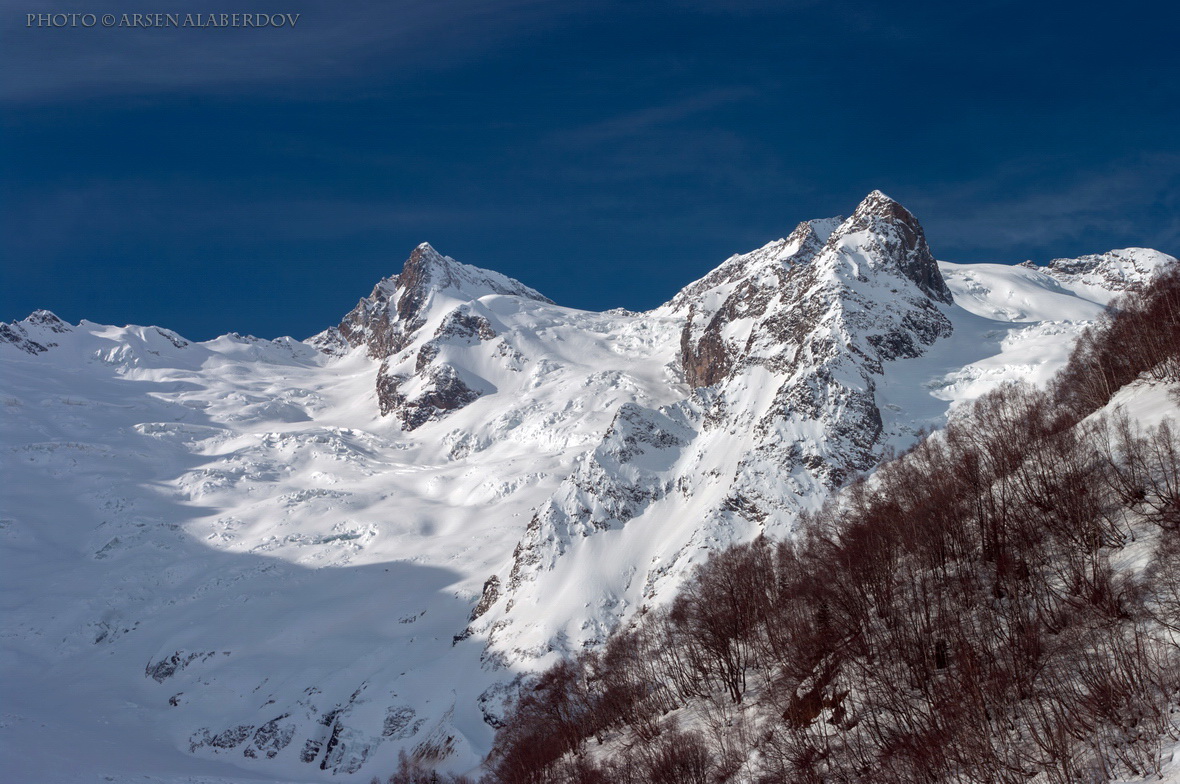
column 281, row 560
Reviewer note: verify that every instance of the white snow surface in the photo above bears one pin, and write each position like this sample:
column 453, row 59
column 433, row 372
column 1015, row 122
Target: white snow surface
column 221, row 564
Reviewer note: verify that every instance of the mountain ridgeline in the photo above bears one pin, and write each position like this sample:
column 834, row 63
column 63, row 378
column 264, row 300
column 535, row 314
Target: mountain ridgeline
column 1001, row 604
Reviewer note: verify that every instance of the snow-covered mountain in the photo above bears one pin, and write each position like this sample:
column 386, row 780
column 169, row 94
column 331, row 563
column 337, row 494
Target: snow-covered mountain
column 287, row 561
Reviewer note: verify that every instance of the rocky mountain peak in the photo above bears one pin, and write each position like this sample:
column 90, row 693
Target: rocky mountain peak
column 386, row 320
column 428, row 270
column 34, row 334
column 881, row 205
column 409, row 321
column 743, row 311
column 890, row 230
column 47, row 319
column 424, row 271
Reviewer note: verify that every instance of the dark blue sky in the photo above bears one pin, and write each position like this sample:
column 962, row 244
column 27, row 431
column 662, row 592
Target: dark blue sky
column 605, row 153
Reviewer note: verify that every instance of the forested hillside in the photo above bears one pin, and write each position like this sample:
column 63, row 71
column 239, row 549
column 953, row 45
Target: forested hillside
column 999, row 604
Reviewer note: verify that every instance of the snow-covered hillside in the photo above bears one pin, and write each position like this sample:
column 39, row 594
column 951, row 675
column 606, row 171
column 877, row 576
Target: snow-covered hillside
column 254, row 560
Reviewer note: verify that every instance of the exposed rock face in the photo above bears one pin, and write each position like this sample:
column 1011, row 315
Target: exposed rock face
column 774, row 290
column 440, row 387
column 896, row 238
column 48, row 321
column 491, row 593
column 430, row 305
column 14, row 334
column 785, row 347
column 746, row 286
column 440, row 391
column 872, row 293
column 328, row 739
column 41, row 325
column 388, row 319
column 169, row 666
column 1119, row 271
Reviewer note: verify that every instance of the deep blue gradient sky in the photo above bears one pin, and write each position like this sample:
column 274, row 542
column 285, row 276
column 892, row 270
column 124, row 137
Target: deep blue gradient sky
column 606, row 153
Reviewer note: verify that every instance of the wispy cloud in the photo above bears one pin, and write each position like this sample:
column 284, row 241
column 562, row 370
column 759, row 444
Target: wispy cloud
column 652, row 118
column 387, row 38
column 1134, row 201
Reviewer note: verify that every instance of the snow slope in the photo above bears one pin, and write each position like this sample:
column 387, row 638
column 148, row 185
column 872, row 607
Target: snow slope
column 253, row 560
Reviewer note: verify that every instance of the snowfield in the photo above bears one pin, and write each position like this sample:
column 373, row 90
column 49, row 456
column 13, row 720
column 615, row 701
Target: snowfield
column 223, row 563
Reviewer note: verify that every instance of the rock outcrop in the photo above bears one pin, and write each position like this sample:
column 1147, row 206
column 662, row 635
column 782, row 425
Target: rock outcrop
column 1119, row 271
column 784, row 348
column 399, row 306
column 34, row 334
column 430, row 304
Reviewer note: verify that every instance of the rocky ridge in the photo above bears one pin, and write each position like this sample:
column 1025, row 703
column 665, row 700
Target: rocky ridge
column 783, row 348
column 394, row 319
column 18, row 332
